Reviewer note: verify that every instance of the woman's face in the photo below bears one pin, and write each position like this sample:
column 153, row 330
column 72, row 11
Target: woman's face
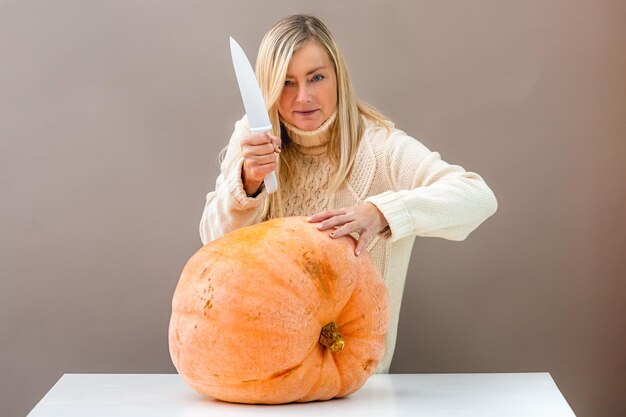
column 309, row 96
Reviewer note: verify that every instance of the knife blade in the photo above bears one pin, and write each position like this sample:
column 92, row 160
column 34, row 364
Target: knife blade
column 253, row 101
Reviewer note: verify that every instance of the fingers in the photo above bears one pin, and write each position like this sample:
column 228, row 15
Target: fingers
column 325, row 215
column 345, row 221
column 344, row 230
column 254, row 160
column 360, row 246
column 256, row 139
column 249, row 151
column 335, row 221
column 276, row 142
column 258, row 144
column 364, row 235
column 259, row 154
column 258, row 173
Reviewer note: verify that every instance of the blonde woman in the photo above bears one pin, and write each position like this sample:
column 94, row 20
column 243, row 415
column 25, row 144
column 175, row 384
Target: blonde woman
column 340, row 162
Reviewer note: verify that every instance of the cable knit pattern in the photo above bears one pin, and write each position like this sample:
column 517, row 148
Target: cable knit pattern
column 418, row 193
column 305, row 195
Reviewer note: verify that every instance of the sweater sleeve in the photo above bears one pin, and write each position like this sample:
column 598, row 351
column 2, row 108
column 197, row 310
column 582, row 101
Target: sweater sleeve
column 430, row 197
column 228, row 207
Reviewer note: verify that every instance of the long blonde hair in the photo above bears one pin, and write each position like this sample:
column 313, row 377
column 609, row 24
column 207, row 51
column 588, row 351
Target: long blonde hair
column 279, row 44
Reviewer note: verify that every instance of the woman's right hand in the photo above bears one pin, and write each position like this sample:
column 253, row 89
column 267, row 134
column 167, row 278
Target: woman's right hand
column 259, row 158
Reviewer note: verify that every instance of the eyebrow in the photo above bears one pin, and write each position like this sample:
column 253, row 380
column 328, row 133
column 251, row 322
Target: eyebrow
column 310, row 72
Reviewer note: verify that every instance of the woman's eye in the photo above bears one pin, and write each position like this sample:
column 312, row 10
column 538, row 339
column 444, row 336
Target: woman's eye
column 288, row 82
column 318, row 77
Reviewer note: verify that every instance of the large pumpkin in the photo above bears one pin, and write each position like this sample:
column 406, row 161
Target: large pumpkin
column 278, row 312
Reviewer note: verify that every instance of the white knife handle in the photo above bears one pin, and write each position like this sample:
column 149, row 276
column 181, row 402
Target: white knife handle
column 271, row 183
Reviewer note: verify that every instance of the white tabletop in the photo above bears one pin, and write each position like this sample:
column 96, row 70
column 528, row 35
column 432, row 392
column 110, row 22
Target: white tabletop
column 424, row 395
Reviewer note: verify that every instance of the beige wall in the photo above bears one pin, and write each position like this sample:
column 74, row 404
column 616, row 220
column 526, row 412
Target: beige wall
column 112, row 114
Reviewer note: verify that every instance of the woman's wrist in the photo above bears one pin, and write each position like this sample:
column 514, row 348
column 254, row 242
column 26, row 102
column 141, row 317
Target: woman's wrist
column 251, row 187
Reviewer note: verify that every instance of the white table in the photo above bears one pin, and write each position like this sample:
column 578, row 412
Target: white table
column 424, row 395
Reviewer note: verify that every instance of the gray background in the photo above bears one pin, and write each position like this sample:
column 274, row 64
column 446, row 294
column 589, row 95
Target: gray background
column 112, row 114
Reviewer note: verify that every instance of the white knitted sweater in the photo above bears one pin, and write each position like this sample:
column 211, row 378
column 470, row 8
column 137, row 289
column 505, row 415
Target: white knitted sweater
column 417, row 192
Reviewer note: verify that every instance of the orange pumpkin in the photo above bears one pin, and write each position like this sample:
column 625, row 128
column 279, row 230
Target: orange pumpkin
column 278, row 312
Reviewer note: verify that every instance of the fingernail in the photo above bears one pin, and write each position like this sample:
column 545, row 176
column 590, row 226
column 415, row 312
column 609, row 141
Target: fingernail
column 309, row 219
column 332, row 234
column 319, row 226
column 358, row 253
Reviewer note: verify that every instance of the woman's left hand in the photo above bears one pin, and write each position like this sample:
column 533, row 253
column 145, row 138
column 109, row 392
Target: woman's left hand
column 364, row 219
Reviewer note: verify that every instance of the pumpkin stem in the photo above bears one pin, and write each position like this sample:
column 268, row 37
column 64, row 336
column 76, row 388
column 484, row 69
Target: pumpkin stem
column 330, row 337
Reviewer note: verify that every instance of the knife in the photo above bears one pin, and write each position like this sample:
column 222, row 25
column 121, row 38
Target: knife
column 252, row 101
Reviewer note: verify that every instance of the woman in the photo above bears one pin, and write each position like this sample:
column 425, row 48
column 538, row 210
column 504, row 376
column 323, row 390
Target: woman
column 342, row 163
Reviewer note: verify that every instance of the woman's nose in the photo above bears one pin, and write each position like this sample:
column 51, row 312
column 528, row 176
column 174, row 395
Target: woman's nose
column 303, row 95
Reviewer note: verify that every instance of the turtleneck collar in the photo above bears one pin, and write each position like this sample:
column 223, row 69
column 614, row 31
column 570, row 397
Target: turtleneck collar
column 311, row 138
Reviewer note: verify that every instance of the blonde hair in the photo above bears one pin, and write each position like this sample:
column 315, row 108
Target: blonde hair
column 279, row 44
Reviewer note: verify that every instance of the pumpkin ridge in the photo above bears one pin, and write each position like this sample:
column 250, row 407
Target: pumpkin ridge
column 315, row 387
column 351, row 336
column 286, row 372
column 283, row 373
column 293, row 368
column 342, row 324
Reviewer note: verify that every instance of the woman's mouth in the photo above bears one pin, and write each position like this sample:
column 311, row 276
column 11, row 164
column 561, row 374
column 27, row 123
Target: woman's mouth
column 305, row 113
